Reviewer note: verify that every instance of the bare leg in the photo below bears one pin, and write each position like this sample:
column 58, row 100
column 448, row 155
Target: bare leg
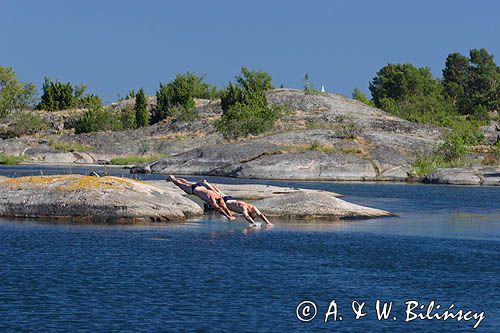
column 182, row 180
column 209, row 186
column 181, row 183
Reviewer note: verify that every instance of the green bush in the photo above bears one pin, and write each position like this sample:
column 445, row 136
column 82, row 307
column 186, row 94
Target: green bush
column 98, row 120
column 242, row 120
column 453, row 148
column 424, row 165
column 61, row 96
column 90, row 102
column 57, row 96
column 244, row 105
column 184, row 114
column 14, row 95
column 127, row 117
column 360, row 96
column 11, row 159
column 179, row 94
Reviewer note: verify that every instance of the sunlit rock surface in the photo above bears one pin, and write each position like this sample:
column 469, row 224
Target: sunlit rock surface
column 92, row 199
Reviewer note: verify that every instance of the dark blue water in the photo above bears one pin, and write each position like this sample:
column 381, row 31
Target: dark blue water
column 210, row 275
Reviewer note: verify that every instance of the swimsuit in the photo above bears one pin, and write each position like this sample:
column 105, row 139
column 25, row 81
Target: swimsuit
column 194, row 186
column 228, row 197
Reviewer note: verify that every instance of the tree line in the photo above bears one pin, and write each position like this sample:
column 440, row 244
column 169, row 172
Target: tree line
column 468, row 91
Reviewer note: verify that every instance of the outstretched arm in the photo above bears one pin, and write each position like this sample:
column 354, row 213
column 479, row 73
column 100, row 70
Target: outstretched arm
column 248, row 217
column 214, row 204
column 262, row 216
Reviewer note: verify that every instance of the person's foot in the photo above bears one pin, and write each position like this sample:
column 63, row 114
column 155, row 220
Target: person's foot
column 169, row 178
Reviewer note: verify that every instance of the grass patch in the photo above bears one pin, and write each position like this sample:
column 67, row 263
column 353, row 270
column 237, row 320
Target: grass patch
column 69, row 146
column 318, row 146
column 493, row 155
column 428, row 163
column 134, row 159
column 11, row 159
column 325, row 148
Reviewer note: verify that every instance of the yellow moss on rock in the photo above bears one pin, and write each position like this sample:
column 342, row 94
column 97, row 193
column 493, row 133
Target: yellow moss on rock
column 73, row 182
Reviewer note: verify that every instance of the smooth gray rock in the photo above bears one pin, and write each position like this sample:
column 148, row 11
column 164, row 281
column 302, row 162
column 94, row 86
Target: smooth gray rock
column 92, row 199
column 315, row 205
column 213, row 160
column 59, row 158
column 308, row 165
column 454, row 176
column 490, row 176
column 384, row 149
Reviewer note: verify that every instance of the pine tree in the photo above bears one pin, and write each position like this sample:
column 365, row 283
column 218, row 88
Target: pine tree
column 455, row 75
column 141, row 109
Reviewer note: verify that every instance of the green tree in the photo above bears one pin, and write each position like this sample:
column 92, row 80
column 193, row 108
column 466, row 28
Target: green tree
column 254, row 80
column 309, row 87
column 245, row 107
column 358, row 95
column 61, row 96
column 177, row 97
column 455, row 76
column 398, row 82
column 473, row 83
column 56, row 96
column 141, row 109
column 483, row 86
column 411, row 93
column 14, row 95
column 250, row 85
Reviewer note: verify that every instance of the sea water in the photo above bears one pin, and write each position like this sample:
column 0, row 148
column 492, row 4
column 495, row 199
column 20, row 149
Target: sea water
column 212, row 275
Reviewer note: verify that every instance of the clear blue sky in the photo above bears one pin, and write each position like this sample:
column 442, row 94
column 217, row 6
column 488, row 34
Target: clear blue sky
column 115, row 46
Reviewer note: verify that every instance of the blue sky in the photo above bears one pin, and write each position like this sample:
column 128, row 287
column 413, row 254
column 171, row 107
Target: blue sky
column 115, row 46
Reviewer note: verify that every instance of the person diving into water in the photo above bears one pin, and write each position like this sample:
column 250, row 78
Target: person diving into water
column 249, row 211
column 201, row 191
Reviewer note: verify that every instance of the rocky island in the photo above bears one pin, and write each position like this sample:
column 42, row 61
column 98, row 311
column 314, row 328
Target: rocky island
column 79, row 198
column 322, row 137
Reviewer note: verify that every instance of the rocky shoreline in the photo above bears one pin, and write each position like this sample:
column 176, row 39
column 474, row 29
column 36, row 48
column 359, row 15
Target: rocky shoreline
column 326, row 137
column 78, row 198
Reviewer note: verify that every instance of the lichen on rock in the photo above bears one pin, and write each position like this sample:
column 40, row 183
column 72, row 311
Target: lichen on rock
column 90, row 199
